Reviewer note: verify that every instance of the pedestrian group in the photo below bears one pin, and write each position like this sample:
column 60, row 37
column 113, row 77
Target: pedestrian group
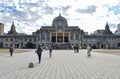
column 50, row 48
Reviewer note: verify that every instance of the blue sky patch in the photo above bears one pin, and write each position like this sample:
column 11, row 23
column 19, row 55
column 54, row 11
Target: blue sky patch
column 116, row 9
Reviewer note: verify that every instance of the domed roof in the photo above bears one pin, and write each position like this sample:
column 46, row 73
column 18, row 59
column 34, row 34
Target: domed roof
column 59, row 21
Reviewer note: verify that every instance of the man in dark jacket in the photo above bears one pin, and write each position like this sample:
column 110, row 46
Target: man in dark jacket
column 39, row 53
column 50, row 51
column 11, row 51
column 77, row 48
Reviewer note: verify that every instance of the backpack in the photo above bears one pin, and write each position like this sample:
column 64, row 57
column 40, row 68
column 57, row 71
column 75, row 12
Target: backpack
column 39, row 50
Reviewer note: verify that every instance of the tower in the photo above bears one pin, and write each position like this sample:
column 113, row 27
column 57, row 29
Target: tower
column 117, row 32
column 107, row 30
column 13, row 29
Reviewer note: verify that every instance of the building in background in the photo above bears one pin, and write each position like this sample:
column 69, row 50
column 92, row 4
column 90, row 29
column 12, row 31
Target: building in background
column 117, row 32
column 98, row 32
column 18, row 40
column 59, row 34
column 1, row 29
column 63, row 36
column 102, row 39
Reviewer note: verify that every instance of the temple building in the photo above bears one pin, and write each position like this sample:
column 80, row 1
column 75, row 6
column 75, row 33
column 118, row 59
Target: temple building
column 61, row 35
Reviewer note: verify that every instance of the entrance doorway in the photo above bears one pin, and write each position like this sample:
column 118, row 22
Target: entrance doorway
column 59, row 37
column 53, row 37
column 66, row 37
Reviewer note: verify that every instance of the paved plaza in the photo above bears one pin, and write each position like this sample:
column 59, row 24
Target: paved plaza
column 65, row 64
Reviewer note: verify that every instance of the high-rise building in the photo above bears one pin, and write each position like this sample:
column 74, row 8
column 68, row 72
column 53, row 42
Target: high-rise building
column 117, row 32
column 1, row 29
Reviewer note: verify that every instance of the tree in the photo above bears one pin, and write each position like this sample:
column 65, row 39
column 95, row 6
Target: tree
column 1, row 45
column 29, row 45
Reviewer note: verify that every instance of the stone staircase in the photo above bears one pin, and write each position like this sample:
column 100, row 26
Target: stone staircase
column 62, row 46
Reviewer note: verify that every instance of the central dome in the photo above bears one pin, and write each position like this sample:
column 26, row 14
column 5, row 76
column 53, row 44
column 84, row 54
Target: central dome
column 59, row 21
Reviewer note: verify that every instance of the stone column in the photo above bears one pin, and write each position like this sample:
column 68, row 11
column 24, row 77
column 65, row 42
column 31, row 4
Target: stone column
column 45, row 37
column 74, row 37
column 13, row 41
column 78, row 38
column 69, row 36
column 99, row 46
column 63, row 37
column 37, row 40
column 56, row 37
column 50, row 37
column 40, row 37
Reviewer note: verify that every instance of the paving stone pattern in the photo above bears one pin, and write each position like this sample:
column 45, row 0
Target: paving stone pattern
column 64, row 64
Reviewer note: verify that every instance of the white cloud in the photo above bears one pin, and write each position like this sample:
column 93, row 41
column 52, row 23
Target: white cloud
column 89, row 15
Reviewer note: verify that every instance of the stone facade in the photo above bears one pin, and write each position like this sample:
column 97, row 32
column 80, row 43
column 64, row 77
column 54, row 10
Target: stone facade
column 18, row 41
column 59, row 34
column 62, row 35
column 105, row 41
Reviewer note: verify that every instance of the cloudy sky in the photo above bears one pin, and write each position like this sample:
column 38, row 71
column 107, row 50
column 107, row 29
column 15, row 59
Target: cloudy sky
column 30, row 15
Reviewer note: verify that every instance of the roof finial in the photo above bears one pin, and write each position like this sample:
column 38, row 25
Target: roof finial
column 59, row 13
column 13, row 22
column 106, row 22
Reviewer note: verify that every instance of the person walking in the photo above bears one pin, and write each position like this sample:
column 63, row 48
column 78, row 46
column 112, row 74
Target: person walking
column 74, row 49
column 11, row 50
column 50, row 51
column 39, row 53
column 77, row 48
column 89, row 49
